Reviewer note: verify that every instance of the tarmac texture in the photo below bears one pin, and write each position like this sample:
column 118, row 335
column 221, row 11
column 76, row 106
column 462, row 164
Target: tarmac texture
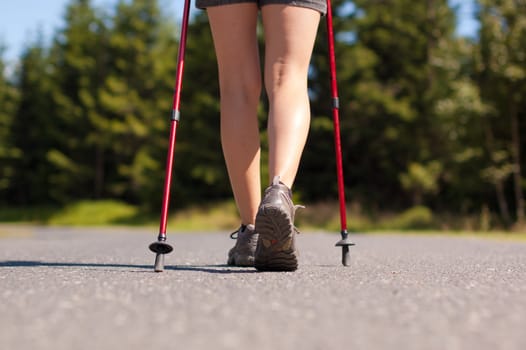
column 94, row 288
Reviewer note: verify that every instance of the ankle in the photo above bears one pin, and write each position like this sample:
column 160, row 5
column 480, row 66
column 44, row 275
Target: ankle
column 277, row 180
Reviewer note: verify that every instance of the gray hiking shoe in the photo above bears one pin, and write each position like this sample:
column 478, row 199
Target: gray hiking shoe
column 242, row 254
column 276, row 249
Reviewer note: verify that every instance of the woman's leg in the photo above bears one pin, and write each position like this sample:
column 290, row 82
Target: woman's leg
column 290, row 33
column 234, row 33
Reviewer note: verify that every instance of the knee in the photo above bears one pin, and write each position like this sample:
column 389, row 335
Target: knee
column 284, row 77
column 241, row 88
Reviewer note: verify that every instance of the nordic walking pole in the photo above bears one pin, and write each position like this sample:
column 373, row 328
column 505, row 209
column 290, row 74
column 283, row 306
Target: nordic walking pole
column 161, row 247
column 345, row 243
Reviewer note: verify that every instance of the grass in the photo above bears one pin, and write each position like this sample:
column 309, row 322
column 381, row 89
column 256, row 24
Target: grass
column 223, row 216
column 81, row 213
column 218, row 216
column 492, row 235
column 213, row 216
column 34, row 215
column 94, row 213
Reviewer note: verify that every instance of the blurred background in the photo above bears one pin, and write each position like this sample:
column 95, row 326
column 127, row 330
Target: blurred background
column 433, row 116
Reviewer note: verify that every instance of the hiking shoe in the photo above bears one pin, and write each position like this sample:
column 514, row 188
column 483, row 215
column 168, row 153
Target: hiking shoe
column 242, row 254
column 276, row 249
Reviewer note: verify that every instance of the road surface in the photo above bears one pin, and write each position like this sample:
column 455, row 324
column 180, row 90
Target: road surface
column 94, row 288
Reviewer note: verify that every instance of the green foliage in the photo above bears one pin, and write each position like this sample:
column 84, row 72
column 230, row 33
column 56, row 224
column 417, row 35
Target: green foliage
column 427, row 119
column 415, row 218
column 8, row 153
column 34, row 130
column 199, row 163
column 500, row 58
column 389, row 83
column 134, row 98
column 38, row 215
column 421, row 179
column 94, row 213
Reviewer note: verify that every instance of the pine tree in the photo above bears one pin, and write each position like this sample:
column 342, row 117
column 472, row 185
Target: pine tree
column 34, row 129
column 388, row 85
column 202, row 173
column 79, row 57
column 8, row 153
column 501, row 59
column 135, row 98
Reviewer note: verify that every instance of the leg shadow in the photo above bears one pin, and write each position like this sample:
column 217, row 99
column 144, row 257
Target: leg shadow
column 214, row 269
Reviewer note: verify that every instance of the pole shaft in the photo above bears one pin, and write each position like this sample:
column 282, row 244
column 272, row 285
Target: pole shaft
column 180, row 58
column 174, row 121
column 336, row 120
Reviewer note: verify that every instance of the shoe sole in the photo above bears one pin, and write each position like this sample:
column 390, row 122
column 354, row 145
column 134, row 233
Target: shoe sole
column 275, row 250
column 241, row 261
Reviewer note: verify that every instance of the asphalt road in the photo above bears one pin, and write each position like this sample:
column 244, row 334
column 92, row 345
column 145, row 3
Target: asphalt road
column 64, row 288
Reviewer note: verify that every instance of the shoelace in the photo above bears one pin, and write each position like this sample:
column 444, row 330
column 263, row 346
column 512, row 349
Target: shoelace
column 235, row 234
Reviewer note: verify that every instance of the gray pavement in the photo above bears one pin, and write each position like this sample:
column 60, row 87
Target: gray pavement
column 63, row 288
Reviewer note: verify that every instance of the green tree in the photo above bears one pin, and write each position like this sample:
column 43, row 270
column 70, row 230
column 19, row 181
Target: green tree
column 8, row 153
column 135, row 98
column 389, row 84
column 501, row 72
column 33, row 129
column 80, row 60
column 200, row 162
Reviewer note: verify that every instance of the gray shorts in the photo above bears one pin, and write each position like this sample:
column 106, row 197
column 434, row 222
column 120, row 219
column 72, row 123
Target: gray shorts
column 318, row 5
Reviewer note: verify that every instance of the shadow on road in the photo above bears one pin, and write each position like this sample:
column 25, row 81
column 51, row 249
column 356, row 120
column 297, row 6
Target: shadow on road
column 215, row 269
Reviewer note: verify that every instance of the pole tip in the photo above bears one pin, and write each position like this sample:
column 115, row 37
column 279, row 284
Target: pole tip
column 346, row 256
column 159, row 263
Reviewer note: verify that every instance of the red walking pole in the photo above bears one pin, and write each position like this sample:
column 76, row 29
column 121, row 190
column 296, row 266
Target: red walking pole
column 345, row 243
column 161, row 247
